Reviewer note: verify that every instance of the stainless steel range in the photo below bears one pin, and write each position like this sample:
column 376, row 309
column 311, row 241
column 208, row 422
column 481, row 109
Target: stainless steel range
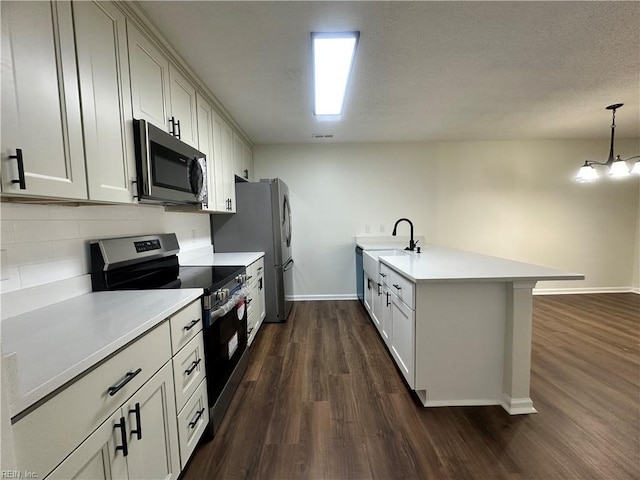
column 151, row 262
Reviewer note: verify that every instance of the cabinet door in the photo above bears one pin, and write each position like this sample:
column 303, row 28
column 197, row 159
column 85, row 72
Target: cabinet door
column 223, row 156
column 40, row 101
column 241, row 154
column 149, row 79
column 248, row 162
column 262, row 307
column 205, row 145
column 403, row 339
column 369, row 291
column 385, row 316
column 183, row 107
column 376, row 307
column 153, row 431
column 227, row 160
column 103, row 68
column 97, row 457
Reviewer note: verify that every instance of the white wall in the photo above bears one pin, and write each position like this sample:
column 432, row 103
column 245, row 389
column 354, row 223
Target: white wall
column 514, row 199
column 44, row 248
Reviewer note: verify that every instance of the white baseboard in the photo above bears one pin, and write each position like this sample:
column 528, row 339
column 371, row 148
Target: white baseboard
column 333, row 296
column 574, row 291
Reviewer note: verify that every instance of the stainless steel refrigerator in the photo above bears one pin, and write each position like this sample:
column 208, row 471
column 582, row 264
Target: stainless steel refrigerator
column 262, row 222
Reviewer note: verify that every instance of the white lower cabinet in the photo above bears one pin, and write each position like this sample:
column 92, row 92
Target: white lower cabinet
column 124, row 417
column 256, row 307
column 402, row 341
column 385, row 317
column 140, row 440
column 192, row 421
column 97, row 457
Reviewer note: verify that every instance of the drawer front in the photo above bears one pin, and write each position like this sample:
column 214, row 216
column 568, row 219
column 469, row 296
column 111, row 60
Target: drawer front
column 385, row 272
column 255, row 270
column 185, row 325
column 403, row 288
column 192, row 421
column 188, row 369
column 44, row 437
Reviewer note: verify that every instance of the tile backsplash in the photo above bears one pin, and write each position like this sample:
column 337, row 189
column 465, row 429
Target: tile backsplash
column 46, row 246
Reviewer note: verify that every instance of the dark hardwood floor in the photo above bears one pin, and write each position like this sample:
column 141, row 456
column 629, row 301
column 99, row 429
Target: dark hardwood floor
column 322, row 400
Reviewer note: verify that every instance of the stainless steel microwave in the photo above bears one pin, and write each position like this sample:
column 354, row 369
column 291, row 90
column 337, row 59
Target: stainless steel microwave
column 168, row 170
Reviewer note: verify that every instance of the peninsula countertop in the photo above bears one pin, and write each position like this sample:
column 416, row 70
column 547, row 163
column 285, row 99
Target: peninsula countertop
column 48, row 347
column 441, row 264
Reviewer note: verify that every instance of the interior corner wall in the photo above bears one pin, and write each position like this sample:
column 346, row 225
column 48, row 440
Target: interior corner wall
column 513, row 199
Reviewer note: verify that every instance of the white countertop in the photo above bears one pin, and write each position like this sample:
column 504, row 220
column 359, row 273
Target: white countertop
column 438, row 264
column 46, row 348
column 243, row 259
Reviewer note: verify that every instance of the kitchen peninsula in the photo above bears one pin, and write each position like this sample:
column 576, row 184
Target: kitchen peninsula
column 457, row 324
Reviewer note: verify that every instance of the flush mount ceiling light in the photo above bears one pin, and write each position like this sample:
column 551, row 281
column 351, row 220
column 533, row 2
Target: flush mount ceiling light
column 617, row 167
column 333, row 55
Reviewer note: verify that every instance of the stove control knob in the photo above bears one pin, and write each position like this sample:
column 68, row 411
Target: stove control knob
column 241, row 278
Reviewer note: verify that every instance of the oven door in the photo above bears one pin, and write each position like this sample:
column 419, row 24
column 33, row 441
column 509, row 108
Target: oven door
column 225, row 341
column 169, row 171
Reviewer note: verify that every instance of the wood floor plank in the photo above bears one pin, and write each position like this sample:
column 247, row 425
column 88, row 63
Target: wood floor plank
column 322, row 399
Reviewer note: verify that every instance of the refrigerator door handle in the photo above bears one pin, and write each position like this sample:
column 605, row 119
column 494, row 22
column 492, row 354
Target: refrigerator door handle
column 288, row 265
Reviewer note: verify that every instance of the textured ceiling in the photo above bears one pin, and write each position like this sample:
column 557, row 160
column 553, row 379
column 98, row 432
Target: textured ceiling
column 424, row 70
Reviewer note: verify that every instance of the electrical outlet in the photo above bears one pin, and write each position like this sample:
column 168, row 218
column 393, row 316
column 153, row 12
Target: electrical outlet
column 367, row 229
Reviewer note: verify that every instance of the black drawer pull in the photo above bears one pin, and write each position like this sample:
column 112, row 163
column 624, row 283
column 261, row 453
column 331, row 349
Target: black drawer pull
column 193, row 366
column 379, row 288
column 127, row 378
column 249, row 331
column 387, row 293
column 177, row 123
column 192, row 324
column 137, row 431
column 249, row 300
column 123, row 435
column 194, row 422
column 21, row 180
column 398, row 287
column 383, row 275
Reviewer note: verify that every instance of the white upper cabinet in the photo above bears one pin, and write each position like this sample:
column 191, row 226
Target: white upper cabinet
column 224, row 168
column 183, row 108
column 41, row 125
column 149, row 79
column 242, row 163
column 103, row 68
column 205, row 145
column 160, row 93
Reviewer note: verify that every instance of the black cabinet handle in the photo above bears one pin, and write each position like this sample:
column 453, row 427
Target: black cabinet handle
column 249, row 300
column 230, row 204
column 127, row 378
column 192, row 324
column 123, row 435
column 246, row 174
column 388, row 299
column 383, row 275
column 260, row 284
column 368, row 284
column 172, row 124
column 194, row 422
column 249, row 331
column 379, row 289
column 177, row 123
column 397, row 287
column 21, row 179
column 137, row 431
column 193, row 366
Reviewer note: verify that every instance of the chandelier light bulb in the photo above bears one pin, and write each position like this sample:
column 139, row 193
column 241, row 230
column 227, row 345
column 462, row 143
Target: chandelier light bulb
column 587, row 173
column 619, row 168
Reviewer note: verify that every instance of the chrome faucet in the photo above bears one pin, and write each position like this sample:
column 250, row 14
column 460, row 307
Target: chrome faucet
column 412, row 243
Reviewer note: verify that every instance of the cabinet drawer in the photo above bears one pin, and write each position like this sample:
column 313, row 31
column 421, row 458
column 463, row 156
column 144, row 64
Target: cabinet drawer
column 402, row 287
column 185, row 325
column 188, row 369
column 255, row 270
column 192, row 421
column 44, row 437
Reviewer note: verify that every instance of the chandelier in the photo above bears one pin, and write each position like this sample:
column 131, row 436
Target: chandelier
column 615, row 166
